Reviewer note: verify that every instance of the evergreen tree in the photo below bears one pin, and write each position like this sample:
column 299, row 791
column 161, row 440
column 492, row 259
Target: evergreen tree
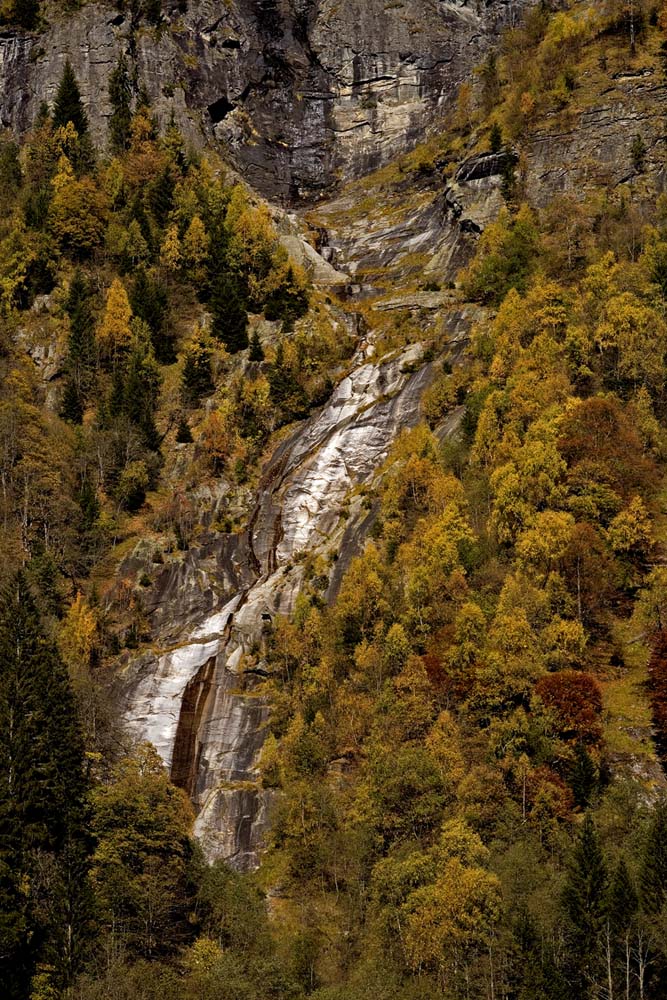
column 622, row 901
column 142, row 385
column 495, row 138
column 161, row 196
column 256, row 352
column 148, row 299
column 583, row 777
column 81, row 354
column 42, row 804
column 68, row 106
column 197, row 378
column 138, row 213
column 26, row 13
column 71, row 404
column 531, row 973
column 285, row 389
column 653, row 871
column 135, row 386
column 183, row 432
column 230, row 316
column 120, row 96
column 584, row 902
column 289, row 301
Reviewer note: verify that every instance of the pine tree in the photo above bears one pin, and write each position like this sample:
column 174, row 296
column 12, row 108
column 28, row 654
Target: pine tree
column 120, row 96
column 230, row 316
column 653, row 871
column 42, row 803
column 68, row 106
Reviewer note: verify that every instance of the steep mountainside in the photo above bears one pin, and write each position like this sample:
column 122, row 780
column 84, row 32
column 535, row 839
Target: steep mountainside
column 333, row 498
column 300, row 93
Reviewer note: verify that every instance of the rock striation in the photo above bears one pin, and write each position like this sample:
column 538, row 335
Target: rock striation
column 199, row 700
column 299, row 94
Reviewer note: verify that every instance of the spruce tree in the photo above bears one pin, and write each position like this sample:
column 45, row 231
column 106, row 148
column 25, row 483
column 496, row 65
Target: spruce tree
column 230, row 316
column 622, row 901
column 42, row 803
column 197, row 377
column 653, row 871
column 584, row 903
column 161, row 196
column 583, row 776
column 148, row 299
column 256, row 352
column 26, row 13
column 120, row 96
column 142, row 385
column 68, row 106
column 81, row 354
column 71, row 404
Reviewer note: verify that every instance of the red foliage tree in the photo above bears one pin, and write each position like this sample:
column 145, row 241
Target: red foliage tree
column 598, row 432
column 575, row 699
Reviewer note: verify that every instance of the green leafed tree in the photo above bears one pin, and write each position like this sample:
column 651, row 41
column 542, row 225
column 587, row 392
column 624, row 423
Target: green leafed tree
column 141, row 863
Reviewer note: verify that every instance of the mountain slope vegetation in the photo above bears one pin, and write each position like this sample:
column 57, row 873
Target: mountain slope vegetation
column 466, row 740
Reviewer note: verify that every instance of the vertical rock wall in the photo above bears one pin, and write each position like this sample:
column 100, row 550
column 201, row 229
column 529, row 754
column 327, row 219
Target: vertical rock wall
column 299, row 94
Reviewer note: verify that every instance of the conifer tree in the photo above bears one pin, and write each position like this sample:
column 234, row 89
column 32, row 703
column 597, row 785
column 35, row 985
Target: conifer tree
column 161, row 196
column 68, row 106
column 583, row 777
column 26, row 13
column 148, row 300
column 114, row 333
column 584, row 903
column 230, row 316
column 80, row 349
column 120, row 96
column 141, row 385
column 622, row 901
column 256, row 352
column 197, row 378
column 42, row 803
column 653, row 871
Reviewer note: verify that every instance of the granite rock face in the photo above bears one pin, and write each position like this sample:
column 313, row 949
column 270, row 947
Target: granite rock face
column 298, row 93
column 198, row 699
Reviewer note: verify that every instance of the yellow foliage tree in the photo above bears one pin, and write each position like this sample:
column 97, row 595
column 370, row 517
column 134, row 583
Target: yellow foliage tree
column 171, row 251
column 195, row 249
column 114, row 334
column 77, row 635
column 77, row 210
